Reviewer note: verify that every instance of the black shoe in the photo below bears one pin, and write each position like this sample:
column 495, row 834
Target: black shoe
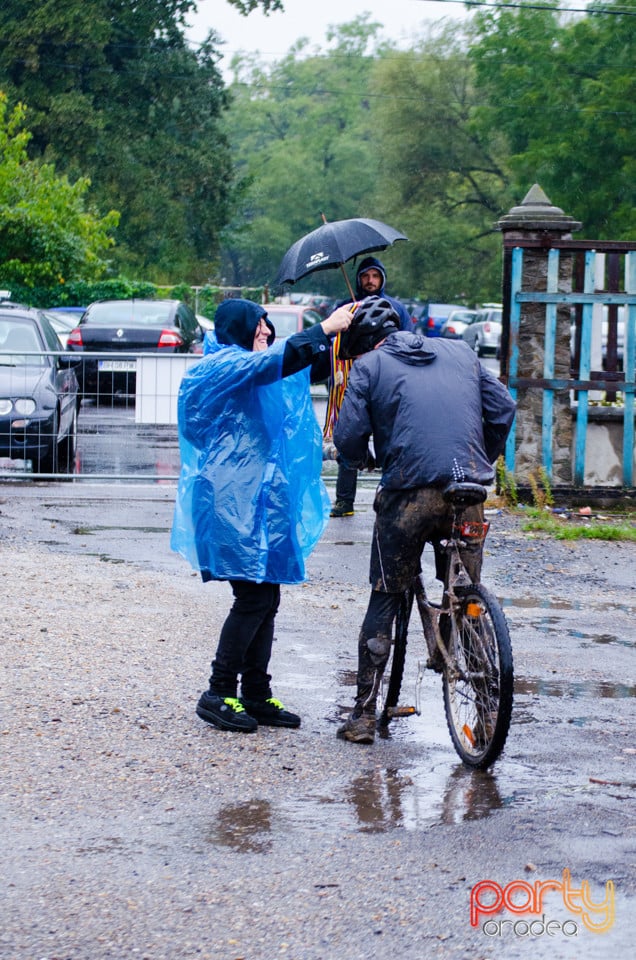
column 342, row 508
column 271, row 713
column 226, row 713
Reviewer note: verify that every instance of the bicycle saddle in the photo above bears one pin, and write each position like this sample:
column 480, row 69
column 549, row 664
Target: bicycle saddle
column 465, row 494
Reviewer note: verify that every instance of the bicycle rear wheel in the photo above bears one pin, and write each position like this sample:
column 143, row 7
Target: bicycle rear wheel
column 390, row 693
column 478, row 690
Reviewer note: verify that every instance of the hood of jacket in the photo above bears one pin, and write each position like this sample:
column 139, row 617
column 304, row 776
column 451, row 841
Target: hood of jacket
column 411, row 348
column 367, row 264
column 235, row 322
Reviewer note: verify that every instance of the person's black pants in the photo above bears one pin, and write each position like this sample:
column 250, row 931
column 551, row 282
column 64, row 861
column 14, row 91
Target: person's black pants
column 346, row 482
column 245, row 643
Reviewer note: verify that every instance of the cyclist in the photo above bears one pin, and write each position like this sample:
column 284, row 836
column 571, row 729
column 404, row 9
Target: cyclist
column 436, row 415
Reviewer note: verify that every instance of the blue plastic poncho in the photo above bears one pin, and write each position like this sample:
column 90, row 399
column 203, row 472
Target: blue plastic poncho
column 251, row 504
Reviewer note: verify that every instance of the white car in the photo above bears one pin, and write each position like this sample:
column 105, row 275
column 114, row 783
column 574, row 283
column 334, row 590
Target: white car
column 483, row 333
column 456, row 323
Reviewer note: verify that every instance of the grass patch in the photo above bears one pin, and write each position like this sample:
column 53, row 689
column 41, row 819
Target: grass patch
column 562, row 528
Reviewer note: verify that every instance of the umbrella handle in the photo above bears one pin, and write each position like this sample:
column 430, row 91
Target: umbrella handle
column 344, row 272
column 348, row 282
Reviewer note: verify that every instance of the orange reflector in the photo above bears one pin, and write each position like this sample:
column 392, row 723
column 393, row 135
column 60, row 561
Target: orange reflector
column 468, row 733
column 473, row 609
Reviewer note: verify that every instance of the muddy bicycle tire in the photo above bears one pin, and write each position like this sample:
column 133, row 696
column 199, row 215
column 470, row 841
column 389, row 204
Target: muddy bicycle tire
column 395, row 667
column 478, row 695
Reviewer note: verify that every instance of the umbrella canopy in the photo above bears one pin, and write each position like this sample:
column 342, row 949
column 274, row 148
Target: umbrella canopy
column 332, row 244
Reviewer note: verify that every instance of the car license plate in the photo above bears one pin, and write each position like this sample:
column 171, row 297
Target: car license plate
column 117, row 366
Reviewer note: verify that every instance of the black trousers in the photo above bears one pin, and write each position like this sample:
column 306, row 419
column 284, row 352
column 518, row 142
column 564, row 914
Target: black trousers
column 405, row 521
column 245, row 643
column 346, row 482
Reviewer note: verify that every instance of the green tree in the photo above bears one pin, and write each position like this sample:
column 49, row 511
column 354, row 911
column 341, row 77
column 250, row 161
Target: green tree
column 116, row 94
column 247, row 6
column 562, row 90
column 444, row 179
column 47, row 234
column 301, row 133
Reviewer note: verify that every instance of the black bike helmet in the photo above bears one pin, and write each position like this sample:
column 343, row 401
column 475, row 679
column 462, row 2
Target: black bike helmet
column 375, row 318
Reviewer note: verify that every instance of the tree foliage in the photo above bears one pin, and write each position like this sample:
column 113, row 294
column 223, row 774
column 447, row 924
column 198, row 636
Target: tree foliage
column 47, row 234
column 247, row 6
column 443, row 179
column 563, row 93
column 116, row 94
column 302, row 135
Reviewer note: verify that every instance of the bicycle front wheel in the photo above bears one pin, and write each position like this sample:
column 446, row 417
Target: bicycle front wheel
column 478, row 687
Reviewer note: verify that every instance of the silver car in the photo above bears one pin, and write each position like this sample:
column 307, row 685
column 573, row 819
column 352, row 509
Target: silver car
column 482, row 333
column 456, row 323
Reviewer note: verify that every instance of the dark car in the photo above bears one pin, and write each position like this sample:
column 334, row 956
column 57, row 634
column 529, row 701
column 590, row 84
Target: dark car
column 431, row 318
column 122, row 329
column 38, row 392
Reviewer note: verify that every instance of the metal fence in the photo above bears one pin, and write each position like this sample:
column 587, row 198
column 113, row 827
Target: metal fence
column 127, row 423
column 602, row 317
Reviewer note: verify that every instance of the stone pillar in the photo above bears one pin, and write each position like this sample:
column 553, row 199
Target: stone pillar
column 538, row 220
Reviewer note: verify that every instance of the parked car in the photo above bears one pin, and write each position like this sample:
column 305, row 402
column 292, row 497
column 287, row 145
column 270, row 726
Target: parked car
column 126, row 328
column 38, row 392
column 484, row 332
column 430, row 319
column 289, row 318
column 456, row 323
column 63, row 321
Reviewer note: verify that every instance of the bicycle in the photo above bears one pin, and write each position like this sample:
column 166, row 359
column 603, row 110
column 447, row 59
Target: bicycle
column 467, row 641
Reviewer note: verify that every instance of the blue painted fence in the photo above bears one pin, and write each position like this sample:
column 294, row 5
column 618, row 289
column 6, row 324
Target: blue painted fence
column 582, row 381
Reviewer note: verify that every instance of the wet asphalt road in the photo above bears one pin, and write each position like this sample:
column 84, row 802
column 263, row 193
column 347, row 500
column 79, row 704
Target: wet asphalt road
column 317, row 849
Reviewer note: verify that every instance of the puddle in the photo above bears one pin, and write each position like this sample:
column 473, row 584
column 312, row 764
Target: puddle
column 550, row 622
column 552, row 603
column 244, row 827
column 378, row 800
column 89, row 531
column 572, row 690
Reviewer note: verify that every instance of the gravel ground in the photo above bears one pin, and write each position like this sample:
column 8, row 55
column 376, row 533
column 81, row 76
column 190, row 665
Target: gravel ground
column 132, row 829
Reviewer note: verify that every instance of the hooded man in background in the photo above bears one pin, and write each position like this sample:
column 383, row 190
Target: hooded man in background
column 370, row 282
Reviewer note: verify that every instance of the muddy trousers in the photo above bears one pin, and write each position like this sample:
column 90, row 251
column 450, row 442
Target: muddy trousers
column 245, row 643
column 374, row 647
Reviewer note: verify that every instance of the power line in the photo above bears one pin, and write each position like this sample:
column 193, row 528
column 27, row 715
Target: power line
column 554, row 7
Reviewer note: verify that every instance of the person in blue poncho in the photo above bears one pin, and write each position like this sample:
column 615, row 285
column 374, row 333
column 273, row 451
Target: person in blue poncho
column 250, row 503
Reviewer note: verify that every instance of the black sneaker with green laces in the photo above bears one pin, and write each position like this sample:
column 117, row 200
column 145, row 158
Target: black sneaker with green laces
column 271, row 713
column 226, row 713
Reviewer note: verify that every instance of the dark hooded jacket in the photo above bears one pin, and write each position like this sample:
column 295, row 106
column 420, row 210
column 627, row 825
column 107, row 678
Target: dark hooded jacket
column 368, row 263
column 435, row 412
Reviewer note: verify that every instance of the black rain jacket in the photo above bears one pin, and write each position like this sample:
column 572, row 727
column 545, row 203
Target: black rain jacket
column 435, row 412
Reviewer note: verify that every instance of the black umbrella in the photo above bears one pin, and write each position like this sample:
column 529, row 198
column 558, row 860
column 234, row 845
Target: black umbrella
column 332, row 244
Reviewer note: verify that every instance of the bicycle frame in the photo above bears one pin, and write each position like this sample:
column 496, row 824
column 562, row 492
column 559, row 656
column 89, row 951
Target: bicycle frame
column 467, row 642
column 456, row 576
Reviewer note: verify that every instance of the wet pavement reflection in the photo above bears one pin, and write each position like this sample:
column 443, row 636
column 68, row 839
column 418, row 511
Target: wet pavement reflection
column 379, row 800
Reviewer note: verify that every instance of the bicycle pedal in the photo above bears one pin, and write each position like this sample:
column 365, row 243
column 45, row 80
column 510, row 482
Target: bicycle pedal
column 401, row 712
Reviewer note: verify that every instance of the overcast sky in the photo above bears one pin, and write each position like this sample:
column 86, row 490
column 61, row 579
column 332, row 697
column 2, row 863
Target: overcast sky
column 272, row 36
